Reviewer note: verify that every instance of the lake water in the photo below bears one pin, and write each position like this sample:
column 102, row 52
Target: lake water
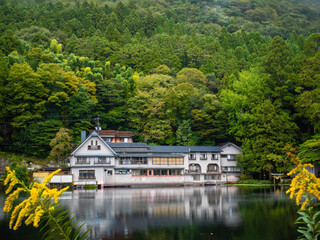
column 213, row 212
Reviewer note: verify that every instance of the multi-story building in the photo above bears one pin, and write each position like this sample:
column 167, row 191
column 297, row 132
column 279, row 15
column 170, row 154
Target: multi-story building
column 96, row 161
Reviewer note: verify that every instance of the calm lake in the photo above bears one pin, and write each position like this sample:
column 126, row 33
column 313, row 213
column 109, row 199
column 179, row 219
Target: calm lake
column 213, row 212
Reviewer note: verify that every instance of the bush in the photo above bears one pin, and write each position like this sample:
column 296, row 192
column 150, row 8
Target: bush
column 245, row 177
column 90, row 187
column 253, row 181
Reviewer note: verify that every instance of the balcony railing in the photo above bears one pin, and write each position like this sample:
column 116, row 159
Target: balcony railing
column 87, row 177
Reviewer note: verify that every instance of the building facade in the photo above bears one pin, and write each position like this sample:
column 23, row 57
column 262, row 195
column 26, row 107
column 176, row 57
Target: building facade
column 96, row 161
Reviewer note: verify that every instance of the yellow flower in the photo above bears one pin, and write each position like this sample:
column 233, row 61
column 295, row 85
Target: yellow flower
column 38, row 214
column 48, row 178
column 29, row 219
column 9, row 201
column 303, row 184
column 32, row 208
column 10, row 174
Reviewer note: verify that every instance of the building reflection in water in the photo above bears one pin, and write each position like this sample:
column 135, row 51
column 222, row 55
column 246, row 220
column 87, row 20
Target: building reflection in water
column 116, row 212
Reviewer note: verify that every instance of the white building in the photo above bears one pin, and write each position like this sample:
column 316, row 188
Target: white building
column 98, row 162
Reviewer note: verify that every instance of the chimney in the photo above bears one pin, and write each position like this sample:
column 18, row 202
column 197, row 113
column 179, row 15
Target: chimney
column 83, row 136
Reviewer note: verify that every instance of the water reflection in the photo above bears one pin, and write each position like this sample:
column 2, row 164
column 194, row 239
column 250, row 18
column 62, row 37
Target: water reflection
column 216, row 212
column 120, row 211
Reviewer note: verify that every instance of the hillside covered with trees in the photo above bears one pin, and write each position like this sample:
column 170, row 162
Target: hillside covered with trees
column 174, row 72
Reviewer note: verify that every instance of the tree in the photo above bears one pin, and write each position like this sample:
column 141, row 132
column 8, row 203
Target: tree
column 310, row 150
column 61, row 145
column 26, row 95
column 192, row 76
column 308, row 101
column 277, row 63
column 35, row 140
column 312, row 45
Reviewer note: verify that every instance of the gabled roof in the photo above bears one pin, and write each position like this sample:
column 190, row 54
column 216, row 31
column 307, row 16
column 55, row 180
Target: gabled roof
column 229, row 143
column 94, row 134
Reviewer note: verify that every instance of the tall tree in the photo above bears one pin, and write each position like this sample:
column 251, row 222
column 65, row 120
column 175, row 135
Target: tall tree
column 61, row 145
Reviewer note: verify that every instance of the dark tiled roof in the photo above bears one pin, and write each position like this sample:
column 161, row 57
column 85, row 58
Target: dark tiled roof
column 205, row 149
column 128, row 145
column 184, row 149
column 150, row 155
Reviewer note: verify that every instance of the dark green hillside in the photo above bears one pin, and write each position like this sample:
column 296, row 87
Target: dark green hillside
column 174, row 72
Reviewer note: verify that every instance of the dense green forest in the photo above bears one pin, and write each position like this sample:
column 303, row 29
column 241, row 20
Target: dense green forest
column 174, row 72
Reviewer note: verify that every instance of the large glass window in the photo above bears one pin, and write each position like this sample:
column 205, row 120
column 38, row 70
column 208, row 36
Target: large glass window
column 102, row 160
column 139, row 172
column 167, row 161
column 211, row 177
column 174, row 172
column 122, row 171
column 194, row 168
column 133, row 160
column 82, row 160
column 196, row 177
column 212, row 168
column 87, row 174
column 231, row 169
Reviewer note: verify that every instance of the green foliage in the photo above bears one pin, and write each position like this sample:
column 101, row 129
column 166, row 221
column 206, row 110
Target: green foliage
column 61, row 145
column 35, row 140
column 60, row 224
column 310, row 150
column 174, row 72
column 254, row 182
column 88, row 187
column 309, row 223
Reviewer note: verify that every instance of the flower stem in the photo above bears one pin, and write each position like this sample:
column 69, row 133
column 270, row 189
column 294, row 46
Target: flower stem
column 55, row 222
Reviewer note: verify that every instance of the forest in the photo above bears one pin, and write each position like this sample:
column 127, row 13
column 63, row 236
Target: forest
column 175, row 72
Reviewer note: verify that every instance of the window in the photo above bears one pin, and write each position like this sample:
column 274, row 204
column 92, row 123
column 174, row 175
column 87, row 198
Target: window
column 164, row 172
column 124, row 139
column 167, row 161
column 108, row 139
column 122, row 171
column 192, row 156
column 175, row 172
column 194, row 168
column 229, row 157
column 102, row 160
column 94, row 147
column 196, row 177
column 212, row 168
column 133, row 160
column 83, row 160
column 231, row 169
column 208, row 177
column 109, row 172
column 203, row 156
column 212, row 177
column 87, row 174
column 214, row 156
column 139, row 172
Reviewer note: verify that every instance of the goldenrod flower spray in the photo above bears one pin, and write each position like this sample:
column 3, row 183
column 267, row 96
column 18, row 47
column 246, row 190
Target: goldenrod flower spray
column 41, row 203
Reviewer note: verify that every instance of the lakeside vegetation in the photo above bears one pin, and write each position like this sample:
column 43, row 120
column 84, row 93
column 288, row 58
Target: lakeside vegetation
column 173, row 72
